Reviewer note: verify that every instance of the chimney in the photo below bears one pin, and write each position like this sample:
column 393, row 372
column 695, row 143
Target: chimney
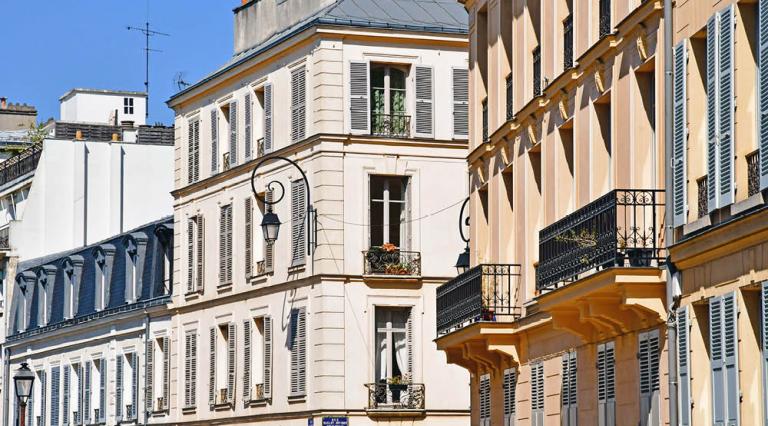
column 3, row 103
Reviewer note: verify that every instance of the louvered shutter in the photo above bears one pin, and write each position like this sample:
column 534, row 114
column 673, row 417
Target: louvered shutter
column 537, row 400
column 119, row 388
column 134, row 412
column 248, row 127
column 269, row 249
column 43, row 396
column 648, row 360
column 680, row 133
column 568, row 396
column 212, row 368
column 716, row 360
column 223, row 245
column 229, row 243
column 713, row 113
column 424, row 102
column 730, row 358
column 231, row 346
column 80, row 394
column 233, row 134
column 66, row 395
column 606, row 386
column 191, row 153
column 193, row 370
column 188, row 391
column 727, row 105
column 190, row 256
column 298, row 218
column 510, row 385
column 200, row 253
column 409, row 341
column 102, row 389
column 359, row 106
column 86, row 413
column 267, row 118
column 298, row 351
column 485, row 400
column 248, row 237
column 764, row 324
column 298, row 104
column 166, row 372
column 150, row 376
column 214, row 140
column 268, row 357
column 247, row 360
column 31, row 410
column 55, row 395
column 763, row 98
column 460, row 102
column 684, row 368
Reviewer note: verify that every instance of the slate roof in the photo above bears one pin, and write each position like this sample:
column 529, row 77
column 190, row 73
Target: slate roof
column 433, row 16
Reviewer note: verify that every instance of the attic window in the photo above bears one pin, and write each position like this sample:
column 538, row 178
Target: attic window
column 127, row 105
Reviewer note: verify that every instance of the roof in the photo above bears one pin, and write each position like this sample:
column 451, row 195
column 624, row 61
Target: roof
column 77, row 90
column 431, row 16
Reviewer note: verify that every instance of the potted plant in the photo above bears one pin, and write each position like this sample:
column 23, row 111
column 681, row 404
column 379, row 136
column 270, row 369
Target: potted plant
column 384, row 259
column 398, row 385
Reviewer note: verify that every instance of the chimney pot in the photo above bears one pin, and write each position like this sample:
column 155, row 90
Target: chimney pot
column 79, row 135
column 3, row 103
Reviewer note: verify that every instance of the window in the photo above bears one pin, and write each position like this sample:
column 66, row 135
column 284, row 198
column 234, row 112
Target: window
column 225, row 245
column 298, row 221
column 104, row 256
column 222, row 365
column 485, row 400
column 298, row 104
column 132, row 275
column 45, row 276
column 159, row 374
column 257, row 359
column 72, row 267
column 297, row 342
column 389, row 211
column 126, row 386
column 510, row 392
column 248, row 113
column 388, row 100
column 606, row 383
column 190, row 369
column 67, row 394
column 394, row 345
column 195, row 254
column 193, row 152
column 568, row 42
column 78, row 387
column 569, row 390
column 648, row 358
column 684, row 366
column 127, row 105
column 537, row 394
column 267, row 264
column 605, row 18
column 229, row 113
column 94, row 379
column 484, row 106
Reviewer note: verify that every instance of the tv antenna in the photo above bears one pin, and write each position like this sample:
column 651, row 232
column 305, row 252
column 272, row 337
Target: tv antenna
column 147, row 34
column 179, row 81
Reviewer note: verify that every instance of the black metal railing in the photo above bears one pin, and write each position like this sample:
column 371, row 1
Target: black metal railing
column 5, row 238
column 396, row 396
column 391, row 261
column 485, row 119
column 392, row 125
column 619, row 229
column 510, row 105
column 20, row 164
column 702, row 193
column 568, row 42
column 537, row 71
column 486, row 292
column 753, row 173
column 605, row 18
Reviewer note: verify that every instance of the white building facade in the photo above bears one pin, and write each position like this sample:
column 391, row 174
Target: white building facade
column 103, row 106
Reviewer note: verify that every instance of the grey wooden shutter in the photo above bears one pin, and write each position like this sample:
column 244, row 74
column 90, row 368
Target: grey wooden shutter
column 80, row 394
column 267, row 118
column 102, row 390
column 359, row 105
column 764, row 325
column 684, row 367
column 233, row 134
column 188, row 402
column 716, row 360
column 248, row 136
column 460, row 102
column 229, row 243
column 191, row 178
column 231, row 354
column 150, row 376
column 247, row 360
column 214, row 140
column 190, row 255
column 166, row 372
column 409, row 341
column 268, row 357
column 43, row 396
column 485, row 400
column 537, row 398
column 119, row 387
column 680, row 133
column 713, row 114
column 424, row 102
column 298, row 218
column 200, row 252
column 269, row 249
column 55, row 395
column 298, row 351
column 510, row 385
column 727, row 105
column 763, row 98
column 223, row 245
column 66, row 395
column 569, row 393
column 648, row 360
column 248, row 237
column 298, row 104
column 212, row 368
column 606, row 385
column 134, row 411
column 730, row 358
column 86, row 414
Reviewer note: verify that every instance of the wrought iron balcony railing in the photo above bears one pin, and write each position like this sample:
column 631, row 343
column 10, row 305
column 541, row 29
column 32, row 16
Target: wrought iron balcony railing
column 485, row 119
column 753, row 173
column 605, row 18
column 391, row 261
column 395, row 396
column 510, row 104
column 392, row 125
column 20, row 164
column 702, row 202
column 619, row 229
column 537, row 71
column 5, row 239
column 568, row 42
column 483, row 293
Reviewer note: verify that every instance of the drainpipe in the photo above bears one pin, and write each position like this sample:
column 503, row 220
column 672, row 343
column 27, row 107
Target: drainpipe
column 146, row 373
column 669, row 214
column 6, row 388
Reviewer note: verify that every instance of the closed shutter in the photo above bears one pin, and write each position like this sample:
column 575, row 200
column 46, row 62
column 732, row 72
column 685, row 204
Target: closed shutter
column 166, row 371
column 248, row 237
column 680, row 133
column 424, row 102
column 188, row 402
column 66, row 395
column 231, row 346
column 537, row 394
column 55, row 395
column 223, row 245
column 298, row 218
column 269, row 249
column 86, row 413
column 716, row 362
column 102, row 389
column 43, row 396
column 684, row 367
column 134, row 411
column 199, row 285
column 80, row 394
column 606, row 384
column 191, row 178
column 268, row 357
column 485, row 400
column 727, row 105
column 510, row 385
column 409, row 341
column 119, row 387
column 713, row 114
column 569, row 393
column 298, row 104
column 247, row 360
column 764, row 347
column 149, row 380
column 763, row 98
column 359, row 106
column 214, row 140
column 648, row 360
column 212, row 368
column 460, row 102
column 233, row 134
column 267, row 118
column 190, row 256
column 298, row 351
column 31, row 410
column 730, row 358
column 248, row 135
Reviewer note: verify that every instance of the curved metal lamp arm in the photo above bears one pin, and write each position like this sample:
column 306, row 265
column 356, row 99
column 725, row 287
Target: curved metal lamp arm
column 464, row 223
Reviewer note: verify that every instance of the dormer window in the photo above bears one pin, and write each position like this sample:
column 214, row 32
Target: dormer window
column 69, row 289
column 132, row 291
column 100, row 301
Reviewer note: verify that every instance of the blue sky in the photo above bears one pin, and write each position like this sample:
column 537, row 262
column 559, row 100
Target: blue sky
column 51, row 46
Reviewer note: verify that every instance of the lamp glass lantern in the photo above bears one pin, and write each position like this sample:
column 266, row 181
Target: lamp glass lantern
column 462, row 263
column 23, row 380
column 270, row 226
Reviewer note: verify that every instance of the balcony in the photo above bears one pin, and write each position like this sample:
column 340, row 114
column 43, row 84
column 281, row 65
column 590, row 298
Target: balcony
column 620, row 229
column 753, row 173
column 537, row 71
column 388, row 260
column 5, row 238
column 510, row 93
column 388, row 397
column 485, row 120
column 568, row 42
column 20, row 164
column 605, row 18
column 702, row 184
column 391, row 125
column 485, row 293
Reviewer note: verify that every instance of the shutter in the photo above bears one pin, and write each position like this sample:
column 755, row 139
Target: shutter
column 248, row 135
column 80, row 394
column 763, row 99
column 65, row 392
column 684, row 369
column 610, row 385
column 188, row 402
column 730, row 358
column 214, row 140
column 247, row 360
column 601, row 386
column 86, row 413
column 268, row 357
column 712, row 114
column 248, row 237
column 200, row 253
column 727, row 107
column 191, row 153
column 569, row 392
column 510, row 383
column 267, row 118
column 298, row 217
column 223, row 245
column 190, row 255
column 134, row 414
column 229, row 243
column 764, row 323
column 31, row 410
column 231, row 345
column 572, row 377
column 269, row 249
column 539, row 420
column 119, row 387
column 166, row 372
column 716, row 361
column 648, row 360
column 197, row 150
column 55, row 395
column 43, row 396
column 680, row 133
column 294, row 351
column 298, row 104
column 359, row 115
column 424, row 102
column 233, row 133
column 149, row 380
column 102, row 389
column 485, row 400
column 302, row 346
column 409, row 341
column 212, row 368
column 460, row 102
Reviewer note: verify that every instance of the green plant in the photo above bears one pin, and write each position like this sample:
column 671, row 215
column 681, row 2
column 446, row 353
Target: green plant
column 585, row 238
column 37, row 133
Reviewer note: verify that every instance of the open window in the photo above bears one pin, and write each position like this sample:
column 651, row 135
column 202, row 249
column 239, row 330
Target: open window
column 257, row 359
column 388, row 100
column 389, row 209
column 394, row 356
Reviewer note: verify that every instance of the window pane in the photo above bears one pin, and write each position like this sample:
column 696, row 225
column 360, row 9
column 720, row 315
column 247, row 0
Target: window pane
column 396, row 78
column 395, row 219
column 377, row 187
column 377, row 223
column 377, row 76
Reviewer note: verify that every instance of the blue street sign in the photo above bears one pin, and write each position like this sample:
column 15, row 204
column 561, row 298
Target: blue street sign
column 335, row 421
column 310, row 422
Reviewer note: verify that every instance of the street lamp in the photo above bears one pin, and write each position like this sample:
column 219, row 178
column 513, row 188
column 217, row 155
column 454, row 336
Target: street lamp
column 23, row 380
column 270, row 223
column 462, row 263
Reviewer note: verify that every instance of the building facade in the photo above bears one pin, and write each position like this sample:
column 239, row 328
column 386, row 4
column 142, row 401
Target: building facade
column 336, row 318
column 561, row 317
column 103, row 106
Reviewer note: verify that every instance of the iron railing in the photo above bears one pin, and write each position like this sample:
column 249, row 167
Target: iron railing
column 485, row 120
column 510, row 111
column 753, row 173
column 605, row 18
column 619, row 229
column 396, row 396
column 20, row 164
column 381, row 261
column 484, row 293
column 703, row 193
column 5, row 238
column 537, row 71
column 568, row 42
column 392, row 125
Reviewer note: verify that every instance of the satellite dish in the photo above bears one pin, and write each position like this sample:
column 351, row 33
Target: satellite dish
column 178, row 80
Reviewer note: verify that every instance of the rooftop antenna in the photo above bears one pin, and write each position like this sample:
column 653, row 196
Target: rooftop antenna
column 181, row 84
column 147, row 34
